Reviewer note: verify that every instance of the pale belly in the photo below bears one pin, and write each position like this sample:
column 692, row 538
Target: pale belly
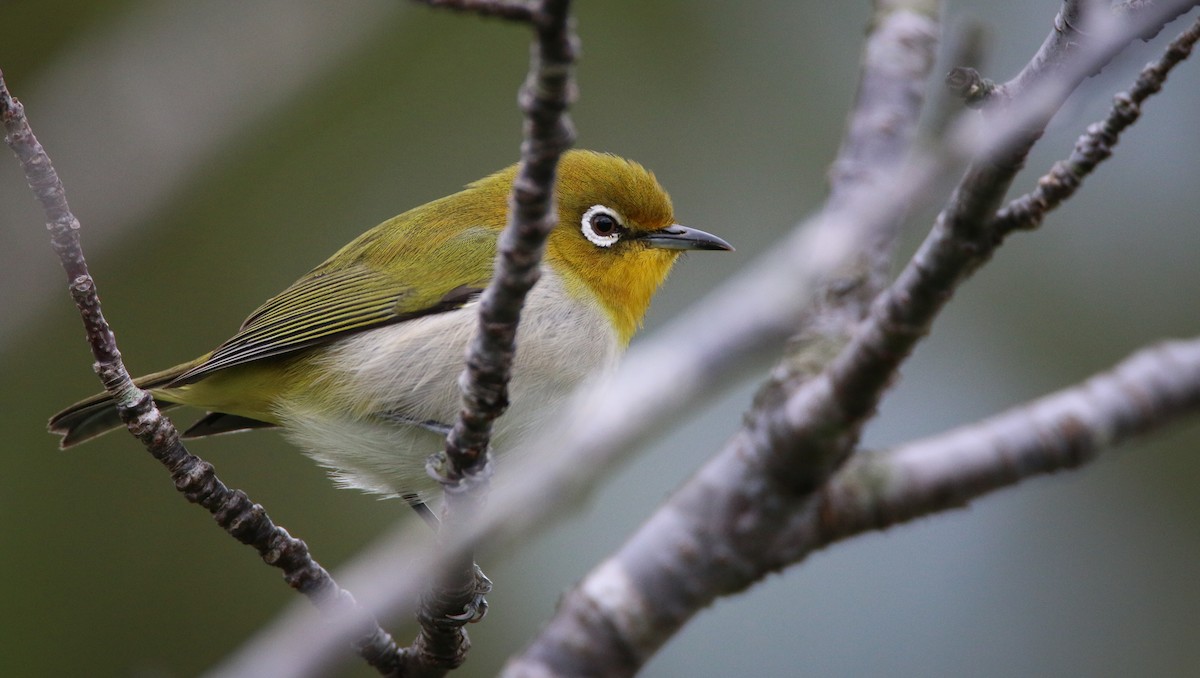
column 372, row 416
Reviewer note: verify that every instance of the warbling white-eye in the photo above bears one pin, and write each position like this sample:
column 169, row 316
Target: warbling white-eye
column 358, row 360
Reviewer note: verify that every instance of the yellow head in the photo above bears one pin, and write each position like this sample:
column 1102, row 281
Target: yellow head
column 616, row 238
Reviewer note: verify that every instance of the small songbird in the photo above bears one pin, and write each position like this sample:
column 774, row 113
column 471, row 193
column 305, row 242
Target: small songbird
column 358, row 360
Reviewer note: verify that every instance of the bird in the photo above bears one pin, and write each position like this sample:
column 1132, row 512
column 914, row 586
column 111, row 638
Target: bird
column 357, row 362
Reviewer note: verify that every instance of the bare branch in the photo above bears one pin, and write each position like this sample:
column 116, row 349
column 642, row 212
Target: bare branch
column 891, row 90
column 1147, row 391
column 1088, row 25
column 456, row 597
column 883, row 122
column 548, row 132
column 193, row 477
column 821, row 419
column 1096, row 145
column 626, row 601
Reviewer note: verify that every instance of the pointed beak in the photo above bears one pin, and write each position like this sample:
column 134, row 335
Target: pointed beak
column 676, row 237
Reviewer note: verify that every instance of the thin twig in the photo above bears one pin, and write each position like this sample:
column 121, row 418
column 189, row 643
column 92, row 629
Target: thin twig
column 1096, row 145
column 512, row 10
column 548, row 133
column 455, row 598
column 195, row 478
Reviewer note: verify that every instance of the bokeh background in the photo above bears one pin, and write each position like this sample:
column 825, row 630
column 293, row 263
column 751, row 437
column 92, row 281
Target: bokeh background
column 217, row 150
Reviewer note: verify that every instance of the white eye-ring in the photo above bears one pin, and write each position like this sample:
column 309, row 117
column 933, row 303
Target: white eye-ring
column 602, row 226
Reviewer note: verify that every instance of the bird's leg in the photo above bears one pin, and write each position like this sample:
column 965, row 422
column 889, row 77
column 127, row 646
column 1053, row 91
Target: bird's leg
column 477, row 608
column 474, row 610
column 431, row 425
column 424, row 511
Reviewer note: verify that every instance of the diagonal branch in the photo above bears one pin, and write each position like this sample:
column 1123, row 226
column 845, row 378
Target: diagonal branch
column 1096, row 145
column 195, row 478
column 1150, row 389
column 872, row 491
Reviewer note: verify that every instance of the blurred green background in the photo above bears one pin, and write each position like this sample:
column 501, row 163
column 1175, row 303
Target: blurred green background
column 215, row 151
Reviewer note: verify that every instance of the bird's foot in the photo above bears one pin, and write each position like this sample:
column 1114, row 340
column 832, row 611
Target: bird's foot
column 477, row 608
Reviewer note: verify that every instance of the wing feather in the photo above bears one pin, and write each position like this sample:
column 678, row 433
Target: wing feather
column 330, row 302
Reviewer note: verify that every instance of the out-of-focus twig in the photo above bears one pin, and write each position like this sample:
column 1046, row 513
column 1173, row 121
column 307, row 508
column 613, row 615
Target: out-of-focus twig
column 897, row 58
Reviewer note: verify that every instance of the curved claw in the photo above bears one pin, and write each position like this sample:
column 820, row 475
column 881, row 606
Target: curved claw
column 475, row 610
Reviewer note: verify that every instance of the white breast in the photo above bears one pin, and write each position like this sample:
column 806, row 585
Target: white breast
column 408, row 372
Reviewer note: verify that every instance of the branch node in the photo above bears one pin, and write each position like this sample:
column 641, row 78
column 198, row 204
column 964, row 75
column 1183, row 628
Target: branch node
column 967, row 83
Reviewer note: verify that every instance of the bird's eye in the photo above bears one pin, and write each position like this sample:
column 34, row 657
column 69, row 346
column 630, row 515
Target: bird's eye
column 604, row 224
column 601, row 225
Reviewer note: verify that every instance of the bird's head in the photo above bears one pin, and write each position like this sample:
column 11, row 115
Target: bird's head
column 616, row 238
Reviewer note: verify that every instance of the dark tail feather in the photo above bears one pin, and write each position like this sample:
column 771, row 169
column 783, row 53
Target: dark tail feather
column 89, row 418
column 97, row 415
